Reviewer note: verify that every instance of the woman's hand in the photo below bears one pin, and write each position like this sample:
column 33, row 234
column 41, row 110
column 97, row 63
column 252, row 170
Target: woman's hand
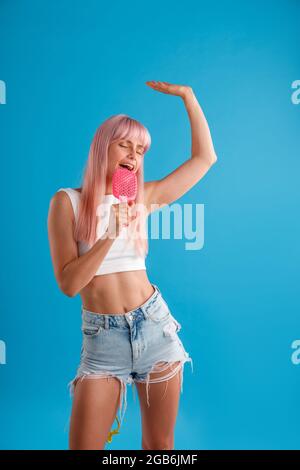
column 121, row 215
column 170, row 89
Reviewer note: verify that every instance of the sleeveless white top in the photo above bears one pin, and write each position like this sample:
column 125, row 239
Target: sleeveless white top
column 121, row 255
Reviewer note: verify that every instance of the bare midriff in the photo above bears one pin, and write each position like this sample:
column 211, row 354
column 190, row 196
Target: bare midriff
column 117, row 293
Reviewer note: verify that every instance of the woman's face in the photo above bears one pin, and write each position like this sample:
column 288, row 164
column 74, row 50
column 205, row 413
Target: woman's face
column 124, row 151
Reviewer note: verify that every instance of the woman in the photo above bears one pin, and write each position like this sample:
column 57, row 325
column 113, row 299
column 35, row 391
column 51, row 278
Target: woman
column 129, row 333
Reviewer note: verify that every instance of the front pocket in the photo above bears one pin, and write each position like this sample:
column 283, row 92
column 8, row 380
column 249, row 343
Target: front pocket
column 90, row 329
column 172, row 327
column 160, row 311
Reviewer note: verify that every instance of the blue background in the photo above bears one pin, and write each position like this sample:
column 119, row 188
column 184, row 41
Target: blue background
column 68, row 65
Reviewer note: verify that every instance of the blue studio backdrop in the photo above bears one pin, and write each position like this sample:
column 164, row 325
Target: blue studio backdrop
column 65, row 67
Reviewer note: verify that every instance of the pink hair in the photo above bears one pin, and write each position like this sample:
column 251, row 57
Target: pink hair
column 119, row 126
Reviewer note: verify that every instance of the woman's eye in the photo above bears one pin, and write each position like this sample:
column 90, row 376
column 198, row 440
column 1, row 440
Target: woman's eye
column 124, row 146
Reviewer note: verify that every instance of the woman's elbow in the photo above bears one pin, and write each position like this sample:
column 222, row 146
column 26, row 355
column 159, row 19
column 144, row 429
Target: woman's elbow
column 213, row 159
column 66, row 288
column 69, row 293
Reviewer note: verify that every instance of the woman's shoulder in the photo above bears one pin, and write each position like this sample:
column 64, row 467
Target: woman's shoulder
column 63, row 204
column 71, row 191
column 64, row 195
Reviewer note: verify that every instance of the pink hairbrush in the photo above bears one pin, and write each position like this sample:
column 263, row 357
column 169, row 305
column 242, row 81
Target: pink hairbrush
column 124, row 184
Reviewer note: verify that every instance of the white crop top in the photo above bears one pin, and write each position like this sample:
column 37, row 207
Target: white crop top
column 121, row 255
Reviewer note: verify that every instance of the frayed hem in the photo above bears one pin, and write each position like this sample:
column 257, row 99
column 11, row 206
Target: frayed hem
column 160, row 366
column 123, row 396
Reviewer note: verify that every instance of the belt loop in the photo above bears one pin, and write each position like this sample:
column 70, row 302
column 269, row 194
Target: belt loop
column 106, row 322
column 144, row 310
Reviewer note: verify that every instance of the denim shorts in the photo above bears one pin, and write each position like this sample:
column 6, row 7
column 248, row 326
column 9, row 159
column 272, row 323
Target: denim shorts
column 128, row 346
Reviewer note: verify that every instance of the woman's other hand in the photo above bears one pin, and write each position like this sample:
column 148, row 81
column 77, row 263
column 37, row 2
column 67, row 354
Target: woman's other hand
column 170, row 89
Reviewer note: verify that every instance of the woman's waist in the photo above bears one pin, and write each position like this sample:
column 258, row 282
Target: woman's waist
column 116, row 292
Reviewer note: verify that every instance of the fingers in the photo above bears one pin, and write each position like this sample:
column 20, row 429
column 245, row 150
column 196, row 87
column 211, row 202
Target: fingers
column 126, row 213
column 126, row 208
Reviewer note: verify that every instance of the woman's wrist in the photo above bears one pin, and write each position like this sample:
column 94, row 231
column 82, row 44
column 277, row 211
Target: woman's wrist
column 107, row 236
column 188, row 95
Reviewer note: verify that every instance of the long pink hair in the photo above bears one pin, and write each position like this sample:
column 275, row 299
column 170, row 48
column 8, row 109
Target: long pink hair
column 119, row 126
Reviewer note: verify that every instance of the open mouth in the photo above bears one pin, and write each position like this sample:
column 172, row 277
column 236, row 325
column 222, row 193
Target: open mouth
column 127, row 165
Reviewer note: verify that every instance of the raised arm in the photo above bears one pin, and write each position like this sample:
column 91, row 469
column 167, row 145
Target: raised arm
column 203, row 156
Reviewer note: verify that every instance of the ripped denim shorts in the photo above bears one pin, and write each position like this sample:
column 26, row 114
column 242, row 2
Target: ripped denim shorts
column 129, row 346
